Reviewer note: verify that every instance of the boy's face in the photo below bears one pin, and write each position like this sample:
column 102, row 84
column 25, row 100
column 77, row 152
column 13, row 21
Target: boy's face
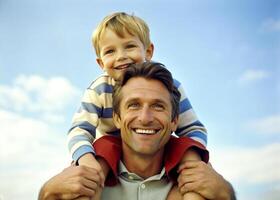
column 117, row 53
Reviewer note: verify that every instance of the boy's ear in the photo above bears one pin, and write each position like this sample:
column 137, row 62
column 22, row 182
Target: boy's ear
column 116, row 120
column 150, row 52
column 99, row 62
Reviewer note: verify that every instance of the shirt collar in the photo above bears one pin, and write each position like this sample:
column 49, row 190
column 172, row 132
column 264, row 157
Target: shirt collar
column 125, row 173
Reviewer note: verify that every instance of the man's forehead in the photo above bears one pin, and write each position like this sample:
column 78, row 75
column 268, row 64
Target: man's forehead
column 143, row 83
column 139, row 88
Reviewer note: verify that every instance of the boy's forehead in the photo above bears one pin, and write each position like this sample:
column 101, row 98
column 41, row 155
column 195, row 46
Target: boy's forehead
column 121, row 32
column 108, row 38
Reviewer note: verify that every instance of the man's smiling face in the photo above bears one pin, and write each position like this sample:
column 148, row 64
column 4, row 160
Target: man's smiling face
column 145, row 117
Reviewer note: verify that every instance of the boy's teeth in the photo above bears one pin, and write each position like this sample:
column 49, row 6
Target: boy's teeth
column 145, row 131
column 122, row 67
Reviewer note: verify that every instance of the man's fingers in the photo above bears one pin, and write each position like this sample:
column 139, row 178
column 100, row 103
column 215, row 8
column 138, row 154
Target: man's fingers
column 83, row 190
column 97, row 176
column 188, row 187
column 90, row 174
column 82, row 198
column 188, row 165
column 182, row 179
column 90, row 184
column 69, row 196
column 102, row 178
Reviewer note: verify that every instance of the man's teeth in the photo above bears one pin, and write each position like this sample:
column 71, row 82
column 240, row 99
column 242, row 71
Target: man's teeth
column 145, row 131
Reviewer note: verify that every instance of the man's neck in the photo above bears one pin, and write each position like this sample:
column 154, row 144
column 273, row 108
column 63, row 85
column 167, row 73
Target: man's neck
column 143, row 166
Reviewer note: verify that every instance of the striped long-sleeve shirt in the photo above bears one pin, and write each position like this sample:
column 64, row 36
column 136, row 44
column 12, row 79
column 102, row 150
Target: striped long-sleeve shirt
column 94, row 118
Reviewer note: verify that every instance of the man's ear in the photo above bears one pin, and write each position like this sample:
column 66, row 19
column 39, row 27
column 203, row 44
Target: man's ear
column 174, row 124
column 100, row 63
column 149, row 52
column 116, row 119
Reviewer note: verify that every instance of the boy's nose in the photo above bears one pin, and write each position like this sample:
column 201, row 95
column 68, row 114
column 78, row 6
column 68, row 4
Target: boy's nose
column 121, row 55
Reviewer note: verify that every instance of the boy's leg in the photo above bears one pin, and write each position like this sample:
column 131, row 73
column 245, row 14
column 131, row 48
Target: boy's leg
column 108, row 152
column 178, row 151
column 105, row 167
column 175, row 194
column 174, row 153
column 191, row 154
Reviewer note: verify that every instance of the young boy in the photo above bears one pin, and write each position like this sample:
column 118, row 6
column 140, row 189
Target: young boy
column 119, row 40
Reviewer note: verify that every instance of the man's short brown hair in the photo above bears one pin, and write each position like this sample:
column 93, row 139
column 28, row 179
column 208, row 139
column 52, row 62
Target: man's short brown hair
column 153, row 71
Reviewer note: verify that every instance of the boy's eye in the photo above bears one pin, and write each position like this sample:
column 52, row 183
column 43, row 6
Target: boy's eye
column 109, row 51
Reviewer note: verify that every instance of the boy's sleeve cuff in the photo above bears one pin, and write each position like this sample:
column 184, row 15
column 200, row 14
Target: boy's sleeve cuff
column 82, row 151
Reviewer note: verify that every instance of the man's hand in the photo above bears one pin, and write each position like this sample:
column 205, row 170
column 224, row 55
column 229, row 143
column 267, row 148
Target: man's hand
column 89, row 160
column 201, row 178
column 71, row 183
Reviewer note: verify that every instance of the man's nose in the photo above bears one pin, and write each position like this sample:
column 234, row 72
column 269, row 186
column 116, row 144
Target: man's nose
column 146, row 115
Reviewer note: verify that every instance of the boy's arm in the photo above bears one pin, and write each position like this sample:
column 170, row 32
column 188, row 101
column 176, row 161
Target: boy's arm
column 84, row 123
column 189, row 125
column 83, row 132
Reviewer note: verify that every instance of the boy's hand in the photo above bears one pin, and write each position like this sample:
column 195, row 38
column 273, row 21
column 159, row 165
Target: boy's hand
column 199, row 177
column 90, row 161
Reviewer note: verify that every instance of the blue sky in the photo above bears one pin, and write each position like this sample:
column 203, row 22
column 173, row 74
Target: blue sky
column 226, row 54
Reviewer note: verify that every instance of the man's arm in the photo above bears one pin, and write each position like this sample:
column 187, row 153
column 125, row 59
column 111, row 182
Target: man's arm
column 72, row 182
column 200, row 177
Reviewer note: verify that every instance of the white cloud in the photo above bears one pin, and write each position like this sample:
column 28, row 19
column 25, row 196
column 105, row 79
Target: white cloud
column 32, row 149
column 267, row 125
column 31, row 152
column 248, row 165
column 253, row 75
column 272, row 194
column 13, row 97
column 271, row 25
column 40, row 95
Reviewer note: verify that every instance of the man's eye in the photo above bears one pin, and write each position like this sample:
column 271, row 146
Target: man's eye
column 158, row 107
column 133, row 106
column 129, row 46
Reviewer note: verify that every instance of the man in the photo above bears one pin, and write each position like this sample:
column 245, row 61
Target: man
column 146, row 112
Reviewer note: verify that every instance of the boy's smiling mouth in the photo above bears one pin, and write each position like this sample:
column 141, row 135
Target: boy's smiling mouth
column 123, row 66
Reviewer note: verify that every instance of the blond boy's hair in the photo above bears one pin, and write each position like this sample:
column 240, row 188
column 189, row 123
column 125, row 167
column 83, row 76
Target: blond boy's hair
column 120, row 22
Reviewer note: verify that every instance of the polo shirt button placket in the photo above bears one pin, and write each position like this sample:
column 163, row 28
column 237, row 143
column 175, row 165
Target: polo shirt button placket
column 143, row 186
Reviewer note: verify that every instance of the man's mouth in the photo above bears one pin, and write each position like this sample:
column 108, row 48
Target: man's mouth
column 146, row 131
